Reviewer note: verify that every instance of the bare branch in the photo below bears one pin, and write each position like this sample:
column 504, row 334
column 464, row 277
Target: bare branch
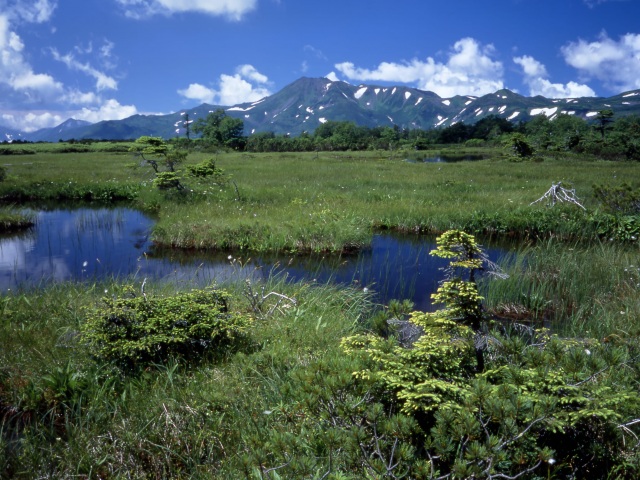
column 558, row 194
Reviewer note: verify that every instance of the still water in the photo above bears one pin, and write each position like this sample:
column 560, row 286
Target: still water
column 94, row 244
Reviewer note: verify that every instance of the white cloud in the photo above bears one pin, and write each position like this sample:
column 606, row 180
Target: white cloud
column 30, row 11
column 103, row 81
column 469, row 70
column 31, row 121
column 246, row 85
column 198, row 92
column 615, row 63
column 34, row 120
column 535, row 76
column 17, row 74
column 232, row 9
column 109, row 110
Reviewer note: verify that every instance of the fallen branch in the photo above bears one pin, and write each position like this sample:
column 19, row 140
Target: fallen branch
column 558, row 194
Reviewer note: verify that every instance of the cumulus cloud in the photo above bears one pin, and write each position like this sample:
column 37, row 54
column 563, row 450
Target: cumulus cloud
column 31, row 121
column 246, row 85
column 536, row 78
column 46, row 101
column 17, row 74
column 615, row 63
column 109, row 110
column 231, row 9
column 198, row 92
column 595, row 3
column 469, row 70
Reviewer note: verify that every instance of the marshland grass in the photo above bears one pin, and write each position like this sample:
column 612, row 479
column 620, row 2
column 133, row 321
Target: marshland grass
column 64, row 415
column 325, row 201
column 577, row 289
column 328, row 201
column 12, row 220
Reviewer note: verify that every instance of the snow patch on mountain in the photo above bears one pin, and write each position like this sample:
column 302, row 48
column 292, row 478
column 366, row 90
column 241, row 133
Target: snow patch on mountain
column 446, row 102
column 513, row 115
column 547, row 111
column 240, row 109
column 360, row 92
column 419, row 100
column 407, row 95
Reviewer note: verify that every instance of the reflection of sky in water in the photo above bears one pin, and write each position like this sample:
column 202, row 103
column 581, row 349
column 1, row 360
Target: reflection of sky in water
column 90, row 244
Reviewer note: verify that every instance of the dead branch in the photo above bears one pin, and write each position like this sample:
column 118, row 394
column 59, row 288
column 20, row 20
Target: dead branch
column 559, row 194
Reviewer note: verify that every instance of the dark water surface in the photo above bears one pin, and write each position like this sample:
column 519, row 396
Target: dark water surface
column 94, row 244
column 445, row 159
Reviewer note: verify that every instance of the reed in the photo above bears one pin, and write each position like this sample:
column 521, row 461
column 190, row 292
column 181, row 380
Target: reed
column 581, row 290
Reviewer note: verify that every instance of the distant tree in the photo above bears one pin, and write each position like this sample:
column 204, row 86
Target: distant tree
column 604, row 118
column 219, row 129
column 518, row 146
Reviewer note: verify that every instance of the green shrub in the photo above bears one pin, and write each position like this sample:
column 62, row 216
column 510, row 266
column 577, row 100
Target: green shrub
column 618, row 199
column 504, row 403
column 137, row 331
column 167, row 181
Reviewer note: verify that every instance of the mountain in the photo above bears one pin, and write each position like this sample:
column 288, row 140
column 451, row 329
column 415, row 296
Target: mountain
column 10, row 134
column 308, row 102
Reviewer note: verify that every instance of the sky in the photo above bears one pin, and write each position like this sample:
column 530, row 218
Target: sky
column 109, row 59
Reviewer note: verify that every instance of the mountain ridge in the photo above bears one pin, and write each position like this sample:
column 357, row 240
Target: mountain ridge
column 306, row 103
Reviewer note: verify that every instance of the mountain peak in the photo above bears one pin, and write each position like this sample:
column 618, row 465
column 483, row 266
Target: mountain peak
column 308, row 102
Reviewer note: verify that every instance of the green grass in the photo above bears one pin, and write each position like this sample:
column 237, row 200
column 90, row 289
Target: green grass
column 75, row 417
column 329, row 201
column 12, row 220
column 579, row 290
column 62, row 414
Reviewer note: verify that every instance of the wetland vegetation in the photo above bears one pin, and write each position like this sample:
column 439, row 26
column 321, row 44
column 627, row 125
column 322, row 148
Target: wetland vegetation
column 531, row 376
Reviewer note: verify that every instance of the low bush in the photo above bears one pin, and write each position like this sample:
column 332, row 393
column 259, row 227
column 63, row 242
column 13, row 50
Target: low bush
column 139, row 330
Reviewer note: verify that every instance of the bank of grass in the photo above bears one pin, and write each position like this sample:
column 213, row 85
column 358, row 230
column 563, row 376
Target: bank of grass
column 12, row 220
column 330, row 201
column 327, row 201
column 576, row 289
column 62, row 414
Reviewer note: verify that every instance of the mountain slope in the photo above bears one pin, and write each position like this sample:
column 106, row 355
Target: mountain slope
column 308, row 102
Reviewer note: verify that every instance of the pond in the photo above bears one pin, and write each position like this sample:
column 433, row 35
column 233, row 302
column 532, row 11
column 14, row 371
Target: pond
column 445, row 159
column 96, row 244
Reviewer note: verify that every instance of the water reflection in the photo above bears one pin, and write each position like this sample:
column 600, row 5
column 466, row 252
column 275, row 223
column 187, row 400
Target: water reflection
column 445, row 159
column 90, row 244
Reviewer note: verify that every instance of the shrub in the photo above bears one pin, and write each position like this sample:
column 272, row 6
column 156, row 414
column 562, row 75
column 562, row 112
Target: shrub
column 618, row 199
column 139, row 330
column 504, row 403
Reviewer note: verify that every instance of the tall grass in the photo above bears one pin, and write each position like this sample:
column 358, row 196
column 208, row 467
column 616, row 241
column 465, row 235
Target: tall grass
column 578, row 290
column 63, row 415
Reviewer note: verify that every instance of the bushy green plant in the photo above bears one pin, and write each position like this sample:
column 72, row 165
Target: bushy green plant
column 167, row 181
column 502, row 404
column 518, row 146
column 207, row 169
column 138, row 330
column 619, row 199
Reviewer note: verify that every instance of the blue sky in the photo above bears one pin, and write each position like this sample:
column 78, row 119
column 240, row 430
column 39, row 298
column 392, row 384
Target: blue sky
column 109, row 59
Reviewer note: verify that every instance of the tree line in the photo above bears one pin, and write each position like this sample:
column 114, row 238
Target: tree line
column 604, row 135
